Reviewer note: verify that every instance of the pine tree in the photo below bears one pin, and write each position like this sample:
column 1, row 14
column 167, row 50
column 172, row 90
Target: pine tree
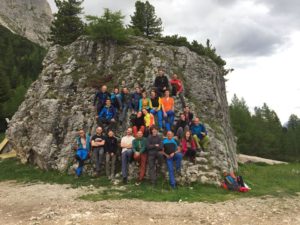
column 67, row 26
column 145, row 21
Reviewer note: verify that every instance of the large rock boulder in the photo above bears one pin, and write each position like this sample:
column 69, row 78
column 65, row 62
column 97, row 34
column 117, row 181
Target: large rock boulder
column 28, row 18
column 60, row 101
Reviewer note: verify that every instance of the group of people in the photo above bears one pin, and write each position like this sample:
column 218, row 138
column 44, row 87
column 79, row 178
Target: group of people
column 153, row 136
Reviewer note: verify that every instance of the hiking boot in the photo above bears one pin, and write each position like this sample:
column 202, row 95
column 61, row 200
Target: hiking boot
column 138, row 183
column 125, row 180
column 178, row 172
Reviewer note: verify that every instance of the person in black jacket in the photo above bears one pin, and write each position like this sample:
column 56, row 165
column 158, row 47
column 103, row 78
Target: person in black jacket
column 181, row 126
column 161, row 82
column 100, row 98
column 111, row 147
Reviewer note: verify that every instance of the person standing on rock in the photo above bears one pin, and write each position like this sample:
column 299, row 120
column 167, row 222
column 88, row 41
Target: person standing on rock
column 172, row 153
column 200, row 134
column 116, row 101
column 154, row 148
column 167, row 104
column 178, row 89
column 100, row 98
column 188, row 146
column 161, row 82
column 111, row 147
column 136, row 97
column 107, row 116
column 181, row 126
column 126, row 103
column 83, row 146
column 140, row 155
column 126, row 145
column 98, row 142
column 156, row 108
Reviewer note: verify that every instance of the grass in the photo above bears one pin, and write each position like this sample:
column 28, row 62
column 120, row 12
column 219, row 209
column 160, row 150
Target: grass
column 12, row 169
column 2, row 135
column 277, row 180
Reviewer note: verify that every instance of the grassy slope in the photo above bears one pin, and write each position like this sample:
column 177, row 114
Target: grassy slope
column 278, row 180
column 2, row 135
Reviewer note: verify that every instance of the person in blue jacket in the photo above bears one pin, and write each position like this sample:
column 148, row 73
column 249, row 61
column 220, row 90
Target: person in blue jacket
column 172, row 152
column 107, row 115
column 200, row 134
column 83, row 146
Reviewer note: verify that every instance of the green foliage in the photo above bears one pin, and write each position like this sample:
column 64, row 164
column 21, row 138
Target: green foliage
column 144, row 21
column 108, row 27
column 200, row 49
column 20, row 64
column 262, row 134
column 67, row 26
column 277, row 180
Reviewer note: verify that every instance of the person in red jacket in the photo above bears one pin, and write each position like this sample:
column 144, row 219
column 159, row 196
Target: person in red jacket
column 188, row 146
column 177, row 87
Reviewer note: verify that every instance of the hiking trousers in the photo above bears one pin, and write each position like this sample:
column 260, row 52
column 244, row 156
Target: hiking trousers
column 142, row 159
column 97, row 157
column 110, row 162
column 153, row 157
column 177, row 158
column 201, row 143
column 126, row 158
column 169, row 119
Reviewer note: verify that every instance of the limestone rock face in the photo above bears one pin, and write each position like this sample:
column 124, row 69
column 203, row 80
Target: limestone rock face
column 60, row 101
column 28, row 18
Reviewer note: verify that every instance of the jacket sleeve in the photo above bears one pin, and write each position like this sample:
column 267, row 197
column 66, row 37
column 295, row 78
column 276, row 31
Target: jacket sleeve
column 140, row 104
column 95, row 99
column 102, row 112
column 159, row 103
column 133, row 146
column 156, row 84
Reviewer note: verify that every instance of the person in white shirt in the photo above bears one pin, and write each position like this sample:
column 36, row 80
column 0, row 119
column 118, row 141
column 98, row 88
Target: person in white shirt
column 126, row 145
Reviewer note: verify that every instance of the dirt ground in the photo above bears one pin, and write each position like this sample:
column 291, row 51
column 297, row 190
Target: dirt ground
column 59, row 204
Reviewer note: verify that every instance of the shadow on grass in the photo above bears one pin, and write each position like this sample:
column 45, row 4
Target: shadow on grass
column 277, row 180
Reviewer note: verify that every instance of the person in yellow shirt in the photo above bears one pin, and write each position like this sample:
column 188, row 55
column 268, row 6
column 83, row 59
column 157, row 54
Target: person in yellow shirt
column 149, row 121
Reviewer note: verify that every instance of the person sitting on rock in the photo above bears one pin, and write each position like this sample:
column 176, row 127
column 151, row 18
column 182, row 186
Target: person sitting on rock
column 116, row 100
column 126, row 103
column 161, row 82
column 172, row 153
column 145, row 102
column 138, row 123
column 140, row 155
column 155, row 102
column 149, row 121
column 83, row 146
column 200, row 134
column 188, row 146
column 167, row 103
column 181, row 126
column 126, row 145
column 111, row 147
column 154, row 148
column 189, row 116
column 136, row 97
column 100, row 98
column 177, row 86
column 98, row 142
column 107, row 116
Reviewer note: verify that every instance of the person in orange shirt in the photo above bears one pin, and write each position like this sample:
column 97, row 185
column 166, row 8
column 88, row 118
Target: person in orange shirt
column 167, row 104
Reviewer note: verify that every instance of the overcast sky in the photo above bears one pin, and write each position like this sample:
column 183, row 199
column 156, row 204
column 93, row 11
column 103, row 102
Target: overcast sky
column 260, row 39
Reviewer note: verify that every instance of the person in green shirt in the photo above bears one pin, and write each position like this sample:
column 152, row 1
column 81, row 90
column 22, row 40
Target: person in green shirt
column 140, row 155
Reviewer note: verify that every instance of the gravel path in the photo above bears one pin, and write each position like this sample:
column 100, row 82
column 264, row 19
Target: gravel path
column 58, row 204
